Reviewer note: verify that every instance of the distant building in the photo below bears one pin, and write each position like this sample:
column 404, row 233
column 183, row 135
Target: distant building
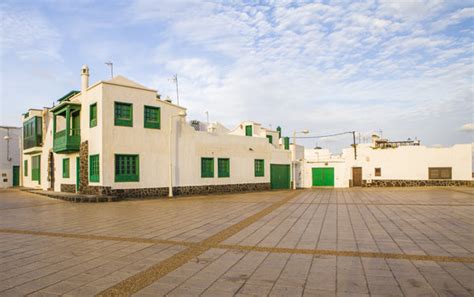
column 118, row 137
column 9, row 156
column 384, row 163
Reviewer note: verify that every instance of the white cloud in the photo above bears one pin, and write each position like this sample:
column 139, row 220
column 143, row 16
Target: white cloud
column 28, row 34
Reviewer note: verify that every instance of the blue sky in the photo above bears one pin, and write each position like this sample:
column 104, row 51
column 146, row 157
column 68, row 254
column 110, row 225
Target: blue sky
column 403, row 67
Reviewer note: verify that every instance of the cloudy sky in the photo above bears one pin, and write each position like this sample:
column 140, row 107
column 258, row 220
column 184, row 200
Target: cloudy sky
column 403, row 67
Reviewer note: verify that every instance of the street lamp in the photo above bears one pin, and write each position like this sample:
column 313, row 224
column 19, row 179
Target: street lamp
column 294, row 155
column 181, row 114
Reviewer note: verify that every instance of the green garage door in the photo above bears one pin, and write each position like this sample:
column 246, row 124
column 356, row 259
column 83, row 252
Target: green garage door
column 280, row 176
column 323, row 177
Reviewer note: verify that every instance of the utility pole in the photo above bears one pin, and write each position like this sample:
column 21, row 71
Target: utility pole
column 111, row 68
column 175, row 80
column 354, row 144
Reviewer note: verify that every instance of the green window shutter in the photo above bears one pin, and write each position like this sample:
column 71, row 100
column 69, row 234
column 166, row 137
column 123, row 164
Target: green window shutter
column 287, row 143
column 152, row 117
column 248, row 130
column 223, row 167
column 35, row 168
column 123, row 114
column 66, row 168
column 93, row 115
column 127, row 168
column 94, row 169
column 25, row 167
column 207, row 167
column 259, row 167
column 270, row 138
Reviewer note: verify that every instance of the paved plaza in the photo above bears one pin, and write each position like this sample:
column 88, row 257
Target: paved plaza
column 325, row 242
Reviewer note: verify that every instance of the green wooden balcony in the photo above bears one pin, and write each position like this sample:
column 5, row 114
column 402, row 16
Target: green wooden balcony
column 67, row 116
column 67, row 142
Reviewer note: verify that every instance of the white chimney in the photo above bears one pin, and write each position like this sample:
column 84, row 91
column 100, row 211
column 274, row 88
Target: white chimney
column 84, row 78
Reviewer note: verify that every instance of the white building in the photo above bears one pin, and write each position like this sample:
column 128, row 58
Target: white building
column 118, row 137
column 9, row 156
column 386, row 164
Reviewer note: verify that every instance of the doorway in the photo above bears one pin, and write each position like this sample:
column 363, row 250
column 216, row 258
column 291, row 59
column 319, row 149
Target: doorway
column 357, row 176
column 16, row 176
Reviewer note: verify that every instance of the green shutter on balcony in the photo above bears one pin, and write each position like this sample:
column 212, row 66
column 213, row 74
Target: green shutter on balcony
column 66, row 168
column 93, row 115
column 25, row 167
column 259, row 167
column 270, row 138
column 36, row 168
column 223, row 167
column 94, row 169
column 207, row 167
column 152, row 117
column 248, row 130
column 286, row 141
column 32, row 133
column 123, row 114
column 127, row 168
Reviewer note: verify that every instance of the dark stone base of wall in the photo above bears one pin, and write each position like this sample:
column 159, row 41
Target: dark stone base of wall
column 417, row 183
column 68, row 188
column 186, row 190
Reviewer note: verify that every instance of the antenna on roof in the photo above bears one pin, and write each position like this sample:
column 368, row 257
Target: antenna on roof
column 175, row 80
column 109, row 63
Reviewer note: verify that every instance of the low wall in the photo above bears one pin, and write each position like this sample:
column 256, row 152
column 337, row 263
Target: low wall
column 185, row 190
column 375, row 183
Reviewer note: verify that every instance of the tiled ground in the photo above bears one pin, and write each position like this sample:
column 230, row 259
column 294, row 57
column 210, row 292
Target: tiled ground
column 350, row 242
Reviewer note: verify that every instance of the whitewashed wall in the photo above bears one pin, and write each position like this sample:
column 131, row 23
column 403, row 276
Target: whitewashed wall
column 410, row 162
column 7, row 161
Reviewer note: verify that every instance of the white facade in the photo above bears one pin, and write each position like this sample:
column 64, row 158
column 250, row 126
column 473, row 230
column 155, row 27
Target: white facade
column 9, row 155
column 187, row 148
column 409, row 163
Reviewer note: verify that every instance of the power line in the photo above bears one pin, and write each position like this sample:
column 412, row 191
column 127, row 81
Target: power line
column 328, row 135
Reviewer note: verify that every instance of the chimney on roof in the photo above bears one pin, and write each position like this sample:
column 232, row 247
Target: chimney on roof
column 84, row 78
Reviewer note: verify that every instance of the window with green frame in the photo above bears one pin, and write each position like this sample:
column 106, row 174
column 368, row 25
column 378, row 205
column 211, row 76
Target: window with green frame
column 93, row 115
column 123, row 114
column 248, row 130
column 270, row 138
column 25, row 167
column 35, row 168
column 223, row 167
column 127, row 168
column 286, row 141
column 94, row 169
column 207, row 167
column 259, row 167
column 66, row 168
column 152, row 117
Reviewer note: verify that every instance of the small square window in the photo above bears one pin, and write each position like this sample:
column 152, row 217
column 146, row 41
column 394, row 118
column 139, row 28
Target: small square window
column 66, row 168
column 207, row 167
column 223, row 167
column 123, row 114
column 378, row 172
column 152, row 117
column 259, row 167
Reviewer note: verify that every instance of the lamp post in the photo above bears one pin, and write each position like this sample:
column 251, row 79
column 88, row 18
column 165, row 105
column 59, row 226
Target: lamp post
column 181, row 114
column 294, row 155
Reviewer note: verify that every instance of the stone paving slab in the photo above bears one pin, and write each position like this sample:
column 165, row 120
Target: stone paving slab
column 348, row 242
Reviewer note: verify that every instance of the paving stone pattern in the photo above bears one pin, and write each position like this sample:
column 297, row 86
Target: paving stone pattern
column 56, row 248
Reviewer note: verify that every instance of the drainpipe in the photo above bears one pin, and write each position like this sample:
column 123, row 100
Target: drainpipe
column 181, row 114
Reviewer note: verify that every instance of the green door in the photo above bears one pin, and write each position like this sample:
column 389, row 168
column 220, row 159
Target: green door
column 76, row 123
column 280, row 176
column 78, row 167
column 323, row 177
column 16, row 176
